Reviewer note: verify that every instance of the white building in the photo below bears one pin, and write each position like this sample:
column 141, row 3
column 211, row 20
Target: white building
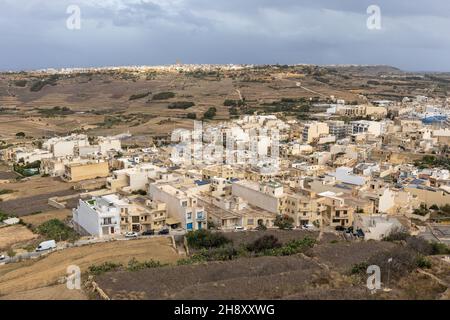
column 134, row 179
column 345, row 175
column 65, row 146
column 30, row 156
column 364, row 126
column 99, row 216
column 107, row 144
column 376, row 227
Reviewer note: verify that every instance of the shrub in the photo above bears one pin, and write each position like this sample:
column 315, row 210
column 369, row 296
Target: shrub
column 206, row 239
column 58, row 230
column 211, row 225
column 163, row 96
column 181, row 105
column 233, row 103
column 56, row 111
column 210, row 113
column 423, row 262
column 293, row 247
column 397, row 235
column 359, row 268
column 104, row 267
column 264, row 243
column 11, row 253
column 134, row 265
column 284, row 222
column 191, row 115
column 439, row 248
column 39, row 84
column 20, row 134
column 139, row 95
column 3, row 216
column 20, row 83
column 225, row 253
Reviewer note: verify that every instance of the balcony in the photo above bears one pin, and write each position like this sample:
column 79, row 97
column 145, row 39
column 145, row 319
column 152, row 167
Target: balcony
column 108, row 223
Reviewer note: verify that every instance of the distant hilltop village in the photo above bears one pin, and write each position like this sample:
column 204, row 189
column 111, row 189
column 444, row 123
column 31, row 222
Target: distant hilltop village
column 180, row 67
column 161, row 68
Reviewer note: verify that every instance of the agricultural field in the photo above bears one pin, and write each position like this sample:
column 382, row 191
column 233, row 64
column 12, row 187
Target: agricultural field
column 110, row 102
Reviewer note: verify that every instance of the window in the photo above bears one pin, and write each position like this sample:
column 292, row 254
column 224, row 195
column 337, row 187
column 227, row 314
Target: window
column 250, row 222
column 184, row 204
column 200, row 215
column 189, row 215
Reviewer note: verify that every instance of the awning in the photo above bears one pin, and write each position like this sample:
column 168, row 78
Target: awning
column 171, row 221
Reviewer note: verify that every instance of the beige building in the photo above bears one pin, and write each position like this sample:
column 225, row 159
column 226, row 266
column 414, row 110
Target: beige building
column 305, row 208
column 338, row 213
column 144, row 217
column 314, row 130
column 218, row 171
column 267, row 196
column 86, row 170
column 430, row 195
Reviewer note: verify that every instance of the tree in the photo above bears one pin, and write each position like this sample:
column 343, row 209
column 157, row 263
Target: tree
column 284, row 222
column 20, row 134
column 210, row 113
column 191, row 115
column 266, row 242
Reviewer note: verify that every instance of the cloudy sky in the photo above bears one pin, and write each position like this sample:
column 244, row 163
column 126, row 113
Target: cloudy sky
column 414, row 34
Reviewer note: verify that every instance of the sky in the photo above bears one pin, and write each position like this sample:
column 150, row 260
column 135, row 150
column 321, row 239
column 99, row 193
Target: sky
column 414, row 35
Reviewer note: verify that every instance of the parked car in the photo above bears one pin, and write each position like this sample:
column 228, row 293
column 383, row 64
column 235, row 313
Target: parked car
column 2, row 257
column 239, row 228
column 164, row 231
column 308, row 226
column 340, row 228
column 46, row 245
column 148, row 233
column 131, row 234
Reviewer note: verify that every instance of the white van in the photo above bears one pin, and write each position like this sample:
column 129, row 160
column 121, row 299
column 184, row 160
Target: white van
column 46, row 245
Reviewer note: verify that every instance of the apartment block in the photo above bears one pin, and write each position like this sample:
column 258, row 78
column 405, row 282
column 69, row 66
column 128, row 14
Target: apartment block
column 182, row 207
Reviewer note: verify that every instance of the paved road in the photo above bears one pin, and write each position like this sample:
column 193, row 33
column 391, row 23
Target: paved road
column 437, row 233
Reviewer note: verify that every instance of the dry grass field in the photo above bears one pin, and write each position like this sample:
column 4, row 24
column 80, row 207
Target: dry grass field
column 13, row 235
column 37, row 219
column 323, row 272
column 24, row 278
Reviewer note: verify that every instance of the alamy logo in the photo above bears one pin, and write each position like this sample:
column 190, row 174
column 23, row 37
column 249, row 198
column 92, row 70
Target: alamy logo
column 73, row 278
column 374, row 20
column 374, row 280
column 258, row 147
column 73, row 22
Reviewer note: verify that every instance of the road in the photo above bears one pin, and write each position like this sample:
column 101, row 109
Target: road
column 35, row 203
column 79, row 243
column 437, row 233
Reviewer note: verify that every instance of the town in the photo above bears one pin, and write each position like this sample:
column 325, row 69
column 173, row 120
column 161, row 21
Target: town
column 357, row 172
